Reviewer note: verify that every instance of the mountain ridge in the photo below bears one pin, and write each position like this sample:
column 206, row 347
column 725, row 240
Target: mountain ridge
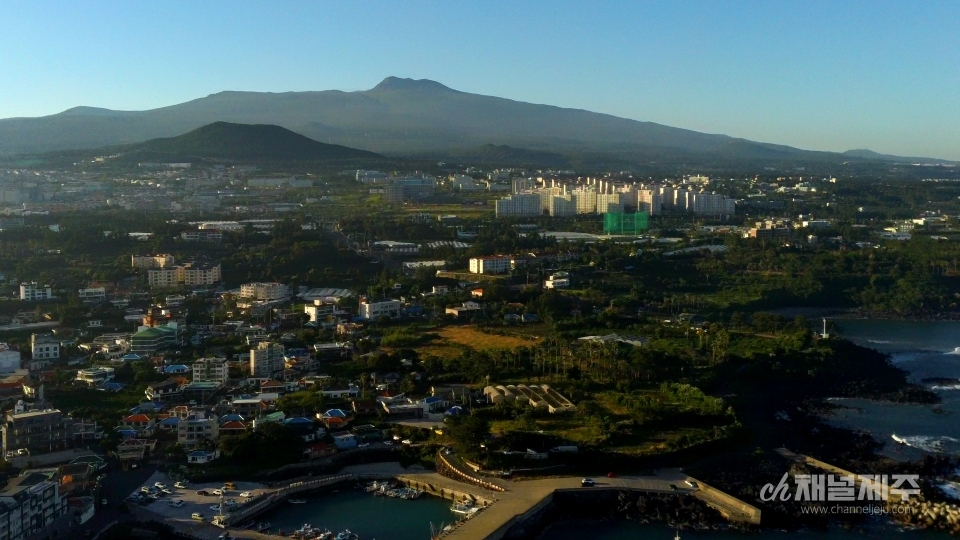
column 243, row 142
column 402, row 117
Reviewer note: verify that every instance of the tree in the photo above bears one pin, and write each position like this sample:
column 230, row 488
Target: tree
column 467, row 432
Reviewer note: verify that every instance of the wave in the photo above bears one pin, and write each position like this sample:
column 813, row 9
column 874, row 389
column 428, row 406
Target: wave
column 926, row 443
column 945, row 387
column 955, row 351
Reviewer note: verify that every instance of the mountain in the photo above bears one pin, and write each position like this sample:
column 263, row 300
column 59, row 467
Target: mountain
column 500, row 155
column 258, row 142
column 870, row 154
column 404, row 116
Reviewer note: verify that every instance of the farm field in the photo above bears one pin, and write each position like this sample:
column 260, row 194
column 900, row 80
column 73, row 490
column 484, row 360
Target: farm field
column 477, row 340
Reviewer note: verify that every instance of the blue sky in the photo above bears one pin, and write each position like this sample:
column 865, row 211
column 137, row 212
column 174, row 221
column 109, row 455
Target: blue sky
column 827, row 75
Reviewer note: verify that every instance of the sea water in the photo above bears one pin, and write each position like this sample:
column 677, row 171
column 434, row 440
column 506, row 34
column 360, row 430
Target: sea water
column 371, row 517
column 926, row 350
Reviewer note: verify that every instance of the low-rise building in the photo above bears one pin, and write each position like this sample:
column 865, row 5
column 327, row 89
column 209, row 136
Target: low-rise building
column 151, row 261
column 186, row 274
column 37, row 432
column 95, row 376
column 560, row 280
column 93, row 295
column 495, row 264
column 9, row 359
column 142, row 424
column 44, row 347
column 372, row 311
column 197, row 427
column 163, row 391
column 214, row 370
column 149, row 340
column 31, row 292
column 28, row 504
column 266, row 292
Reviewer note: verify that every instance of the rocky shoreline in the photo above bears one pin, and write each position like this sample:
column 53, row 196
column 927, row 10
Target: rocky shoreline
column 678, row 511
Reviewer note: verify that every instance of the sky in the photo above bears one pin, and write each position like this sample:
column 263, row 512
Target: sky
column 820, row 75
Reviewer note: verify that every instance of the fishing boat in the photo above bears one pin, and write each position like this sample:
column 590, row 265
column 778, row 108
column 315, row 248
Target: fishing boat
column 298, row 501
column 346, row 535
column 464, row 508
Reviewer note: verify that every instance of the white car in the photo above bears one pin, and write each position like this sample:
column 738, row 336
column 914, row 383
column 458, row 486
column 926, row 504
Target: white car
column 159, row 485
column 180, row 485
column 407, row 441
column 217, row 492
column 246, row 494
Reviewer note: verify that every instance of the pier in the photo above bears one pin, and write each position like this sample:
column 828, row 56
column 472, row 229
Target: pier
column 504, row 503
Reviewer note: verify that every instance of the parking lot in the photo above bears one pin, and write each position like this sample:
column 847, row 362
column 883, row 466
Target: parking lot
column 194, row 503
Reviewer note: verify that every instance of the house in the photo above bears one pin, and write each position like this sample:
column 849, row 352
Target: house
column 273, row 387
column 141, row 424
column 166, row 390
column 341, row 392
column 76, row 476
column 112, row 387
column 476, row 293
column 232, row 428
column 176, row 369
column 434, row 404
column 201, row 457
column 389, row 396
column 272, row 418
column 530, row 318
column 367, row 433
column 318, row 450
column 305, row 428
column 335, row 419
column 468, row 309
column 403, row 409
column 344, row 440
column 95, row 376
column 169, row 423
column 365, row 407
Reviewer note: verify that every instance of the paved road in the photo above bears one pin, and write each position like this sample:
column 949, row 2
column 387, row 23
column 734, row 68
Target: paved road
column 115, row 488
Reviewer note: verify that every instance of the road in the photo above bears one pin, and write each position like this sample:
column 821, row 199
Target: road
column 115, row 488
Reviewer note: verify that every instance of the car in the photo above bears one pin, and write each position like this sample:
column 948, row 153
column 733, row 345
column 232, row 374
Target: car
column 159, row 485
column 363, row 445
column 218, row 492
column 215, row 508
column 611, row 475
column 225, row 536
column 246, row 494
column 180, row 485
column 388, row 443
column 229, row 485
column 145, row 489
column 166, row 491
column 587, row 482
column 197, row 516
column 203, row 492
column 692, row 484
column 176, row 504
column 406, row 441
column 397, row 437
column 673, row 487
